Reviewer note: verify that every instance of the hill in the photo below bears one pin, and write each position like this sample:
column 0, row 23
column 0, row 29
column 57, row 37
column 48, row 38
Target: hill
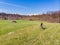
column 49, row 17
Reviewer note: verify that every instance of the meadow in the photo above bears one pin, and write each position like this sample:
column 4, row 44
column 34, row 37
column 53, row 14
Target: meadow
column 29, row 33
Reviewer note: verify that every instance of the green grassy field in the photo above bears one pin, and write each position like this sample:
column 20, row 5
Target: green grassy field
column 29, row 33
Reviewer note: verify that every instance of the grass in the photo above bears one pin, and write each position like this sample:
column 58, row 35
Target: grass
column 29, row 33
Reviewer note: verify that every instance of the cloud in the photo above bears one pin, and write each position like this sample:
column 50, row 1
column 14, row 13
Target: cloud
column 18, row 6
column 23, row 9
column 2, row 10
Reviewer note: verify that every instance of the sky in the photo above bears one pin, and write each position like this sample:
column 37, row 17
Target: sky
column 29, row 6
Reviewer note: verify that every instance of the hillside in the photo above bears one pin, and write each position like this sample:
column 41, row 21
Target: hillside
column 49, row 17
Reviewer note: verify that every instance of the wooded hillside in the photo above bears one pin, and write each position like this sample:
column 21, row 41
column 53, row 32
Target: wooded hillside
column 49, row 17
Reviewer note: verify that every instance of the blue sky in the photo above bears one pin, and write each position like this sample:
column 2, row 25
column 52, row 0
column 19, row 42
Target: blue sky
column 29, row 6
